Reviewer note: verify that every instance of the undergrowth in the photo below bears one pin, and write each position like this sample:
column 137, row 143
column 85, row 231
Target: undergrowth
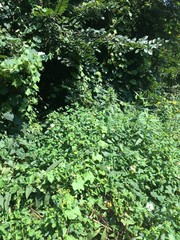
column 97, row 173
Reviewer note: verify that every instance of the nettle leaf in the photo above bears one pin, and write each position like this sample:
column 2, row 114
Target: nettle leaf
column 78, row 184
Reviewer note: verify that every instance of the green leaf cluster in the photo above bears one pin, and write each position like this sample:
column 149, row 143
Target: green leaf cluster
column 20, row 74
column 92, row 173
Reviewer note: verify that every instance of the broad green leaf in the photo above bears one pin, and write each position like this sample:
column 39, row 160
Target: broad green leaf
column 47, row 199
column 100, row 204
column 2, row 230
column 2, row 183
column 52, row 166
column 93, row 234
column 28, row 191
column 138, row 141
column 7, row 200
column 8, row 116
column 1, row 201
column 20, row 153
column 28, row 92
column 102, row 144
column 70, row 238
column 38, row 202
column 78, row 184
column 2, row 144
column 104, row 235
column 89, row 177
column 50, row 177
column 61, row 6
column 72, row 213
column 171, row 237
column 97, row 157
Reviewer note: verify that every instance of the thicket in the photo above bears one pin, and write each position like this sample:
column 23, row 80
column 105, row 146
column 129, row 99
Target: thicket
column 83, row 46
column 95, row 173
column 89, row 119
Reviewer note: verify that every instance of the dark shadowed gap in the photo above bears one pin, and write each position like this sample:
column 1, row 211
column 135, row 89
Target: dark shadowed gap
column 52, row 92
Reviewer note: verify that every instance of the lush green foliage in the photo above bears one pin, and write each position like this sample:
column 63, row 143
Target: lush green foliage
column 106, row 164
column 100, row 173
column 101, row 43
column 19, row 74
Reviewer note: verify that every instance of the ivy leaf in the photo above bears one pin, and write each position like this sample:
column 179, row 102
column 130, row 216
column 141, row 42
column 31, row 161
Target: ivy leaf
column 8, row 116
column 28, row 92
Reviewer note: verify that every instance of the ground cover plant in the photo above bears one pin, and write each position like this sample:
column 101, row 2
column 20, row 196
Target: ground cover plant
column 89, row 120
column 99, row 173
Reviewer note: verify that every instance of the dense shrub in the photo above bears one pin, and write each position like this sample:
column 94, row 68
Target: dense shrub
column 98, row 168
column 97, row 173
column 20, row 67
column 102, row 43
